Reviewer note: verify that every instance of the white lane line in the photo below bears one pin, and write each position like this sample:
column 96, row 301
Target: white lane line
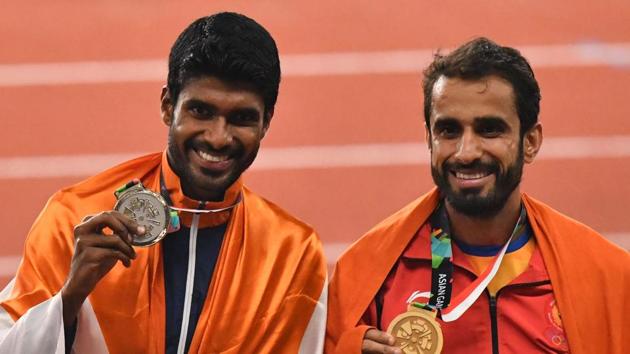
column 622, row 239
column 312, row 64
column 58, row 166
column 575, row 147
column 332, row 250
column 8, row 265
column 321, row 156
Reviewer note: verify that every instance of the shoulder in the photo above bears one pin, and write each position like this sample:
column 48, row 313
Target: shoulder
column 569, row 236
column 362, row 268
column 94, row 194
column 97, row 192
column 378, row 250
column 397, row 229
column 114, row 176
column 286, row 241
column 559, row 225
column 269, row 213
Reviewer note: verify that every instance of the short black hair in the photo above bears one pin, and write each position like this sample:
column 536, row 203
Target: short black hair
column 230, row 47
column 482, row 57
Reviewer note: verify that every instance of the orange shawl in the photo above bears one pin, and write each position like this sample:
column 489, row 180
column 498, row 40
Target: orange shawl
column 589, row 275
column 266, row 284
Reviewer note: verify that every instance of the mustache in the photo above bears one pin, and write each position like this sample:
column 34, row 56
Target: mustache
column 230, row 149
column 491, row 166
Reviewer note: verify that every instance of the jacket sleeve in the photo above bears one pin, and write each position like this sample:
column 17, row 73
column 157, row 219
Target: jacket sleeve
column 39, row 330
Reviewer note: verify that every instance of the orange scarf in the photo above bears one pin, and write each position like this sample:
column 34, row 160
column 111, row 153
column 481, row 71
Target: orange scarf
column 267, row 281
column 589, row 275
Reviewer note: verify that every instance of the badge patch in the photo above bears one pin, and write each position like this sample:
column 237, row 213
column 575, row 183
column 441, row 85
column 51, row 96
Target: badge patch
column 554, row 334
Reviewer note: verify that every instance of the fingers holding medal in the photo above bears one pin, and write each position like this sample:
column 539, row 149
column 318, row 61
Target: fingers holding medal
column 378, row 342
column 100, row 241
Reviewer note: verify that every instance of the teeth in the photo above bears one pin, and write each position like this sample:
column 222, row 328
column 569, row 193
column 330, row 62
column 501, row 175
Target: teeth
column 212, row 158
column 461, row 175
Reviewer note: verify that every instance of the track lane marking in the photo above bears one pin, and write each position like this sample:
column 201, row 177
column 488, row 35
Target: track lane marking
column 312, row 156
column 309, row 64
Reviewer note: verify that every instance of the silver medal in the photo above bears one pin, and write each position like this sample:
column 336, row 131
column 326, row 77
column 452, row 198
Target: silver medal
column 148, row 209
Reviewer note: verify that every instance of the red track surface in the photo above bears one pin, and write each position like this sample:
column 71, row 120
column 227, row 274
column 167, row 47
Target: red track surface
column 341, row 203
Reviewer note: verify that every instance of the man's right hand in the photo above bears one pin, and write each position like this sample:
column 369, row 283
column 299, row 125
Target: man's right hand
column 95, row 254
column 378, row 342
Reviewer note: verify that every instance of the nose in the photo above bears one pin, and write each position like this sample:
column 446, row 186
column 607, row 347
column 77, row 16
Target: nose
column 217, row 133
column 468, row 148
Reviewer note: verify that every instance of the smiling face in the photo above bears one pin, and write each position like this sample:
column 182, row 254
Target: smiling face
column 477, row 153
column 215, row 129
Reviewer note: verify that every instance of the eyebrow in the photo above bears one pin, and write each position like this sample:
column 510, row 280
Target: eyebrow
column 490, row 119
column 197, row 102
column 444, row 121
column 248, row 110
column 494, row 120
column 477, row 120
column 201, row 103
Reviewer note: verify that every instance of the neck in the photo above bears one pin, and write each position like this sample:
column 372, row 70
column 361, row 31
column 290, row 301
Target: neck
column 202, row 195
column 492, row 231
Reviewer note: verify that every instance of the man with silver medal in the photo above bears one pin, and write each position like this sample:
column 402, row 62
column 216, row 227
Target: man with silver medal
column 171, row 252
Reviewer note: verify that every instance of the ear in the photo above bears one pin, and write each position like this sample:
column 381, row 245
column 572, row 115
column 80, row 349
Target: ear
column 266, row 122
column 166, row 106
column 532, row 141
column 427, row 136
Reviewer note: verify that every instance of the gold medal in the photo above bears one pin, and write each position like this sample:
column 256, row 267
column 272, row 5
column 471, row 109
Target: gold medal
column 417, row 332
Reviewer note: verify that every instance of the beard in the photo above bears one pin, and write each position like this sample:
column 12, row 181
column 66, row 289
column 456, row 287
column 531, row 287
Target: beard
column 205, row 185
column 470, row 202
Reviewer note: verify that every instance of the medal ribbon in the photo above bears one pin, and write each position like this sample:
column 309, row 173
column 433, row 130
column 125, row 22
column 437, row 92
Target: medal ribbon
column 442, row 272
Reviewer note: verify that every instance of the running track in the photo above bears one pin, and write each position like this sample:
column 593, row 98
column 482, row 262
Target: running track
column 79, row 89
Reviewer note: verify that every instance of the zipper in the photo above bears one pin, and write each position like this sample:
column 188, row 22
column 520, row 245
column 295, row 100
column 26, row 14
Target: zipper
column 190, row 282
column 493, row 322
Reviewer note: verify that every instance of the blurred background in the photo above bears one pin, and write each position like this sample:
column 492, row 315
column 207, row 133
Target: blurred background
column 80, row 85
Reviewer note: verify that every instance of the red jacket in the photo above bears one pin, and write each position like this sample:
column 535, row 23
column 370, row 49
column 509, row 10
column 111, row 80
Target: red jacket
column 521, row 318
column 589, row 275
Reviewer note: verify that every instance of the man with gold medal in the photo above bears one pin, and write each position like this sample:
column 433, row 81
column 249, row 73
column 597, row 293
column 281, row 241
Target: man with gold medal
column 475, row 265
column 170, row 252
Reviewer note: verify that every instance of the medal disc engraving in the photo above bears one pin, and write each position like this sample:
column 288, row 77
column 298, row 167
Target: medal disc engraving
column 148, row 210
column 417, row 332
